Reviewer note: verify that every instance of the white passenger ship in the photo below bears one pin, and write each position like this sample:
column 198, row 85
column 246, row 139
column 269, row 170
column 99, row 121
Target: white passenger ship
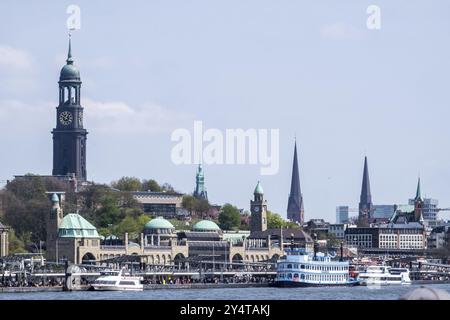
column 301, row 269
column 118, row 281
column 384, row 275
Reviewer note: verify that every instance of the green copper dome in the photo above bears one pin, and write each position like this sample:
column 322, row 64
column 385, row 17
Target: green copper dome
column 69, row 72
column 259, row 189
column 206, row 225
column 75, row 226
column 159, row 223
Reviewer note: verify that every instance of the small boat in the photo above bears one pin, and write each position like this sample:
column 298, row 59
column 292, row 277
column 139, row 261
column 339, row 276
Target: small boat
column 385, row 275
column 299, row 268
column 118, row 281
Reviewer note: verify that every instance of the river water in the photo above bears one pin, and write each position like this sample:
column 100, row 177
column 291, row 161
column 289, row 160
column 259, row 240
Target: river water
column 315, row 293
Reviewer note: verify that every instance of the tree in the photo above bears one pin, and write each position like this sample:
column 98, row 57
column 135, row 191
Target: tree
column 201, row 206
column 26, row 205
column 127, row 184
column 275, row 221
column 151, row 185
column 188, row 202
column 229, row 217
column 167, row 187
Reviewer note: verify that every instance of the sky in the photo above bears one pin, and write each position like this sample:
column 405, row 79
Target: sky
column 312, row 69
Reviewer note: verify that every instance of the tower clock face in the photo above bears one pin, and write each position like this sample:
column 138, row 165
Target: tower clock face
column 80, row 119
column 256, row 209
column 65, row 118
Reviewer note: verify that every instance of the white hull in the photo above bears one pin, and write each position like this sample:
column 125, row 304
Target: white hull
column 118, row 288
column 383, row 283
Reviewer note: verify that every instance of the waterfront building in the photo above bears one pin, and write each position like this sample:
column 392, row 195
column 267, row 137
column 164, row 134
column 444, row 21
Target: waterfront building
column 200, row 190
column 164, row 204
column 439, row 237
column 69, row 136
column 4, row 240
column 338, row 229
column 342, row 214
column 279, row 238
column 365, row 200
column 362, row 237
column 317, row 226
column 295, row 210
column 258, row 209
column 73, row 238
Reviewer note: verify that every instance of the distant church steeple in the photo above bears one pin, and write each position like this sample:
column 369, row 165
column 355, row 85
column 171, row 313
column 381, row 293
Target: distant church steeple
column 418, row 204
column 69, row 136
column 200, row 190
column 295, row 211
column 365, row 200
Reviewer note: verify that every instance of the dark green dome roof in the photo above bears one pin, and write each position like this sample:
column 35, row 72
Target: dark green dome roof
column 69, row 72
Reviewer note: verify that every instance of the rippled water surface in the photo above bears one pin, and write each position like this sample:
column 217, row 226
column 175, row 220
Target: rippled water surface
column 316, row 293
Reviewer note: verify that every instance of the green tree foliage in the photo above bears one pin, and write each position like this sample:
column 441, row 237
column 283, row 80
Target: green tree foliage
column 202, row 207
column 188, row 203
column 16, row 245
column 275, row 221
column 229, row 217
column 26, row 204
column 127, row 184
column 151, row 185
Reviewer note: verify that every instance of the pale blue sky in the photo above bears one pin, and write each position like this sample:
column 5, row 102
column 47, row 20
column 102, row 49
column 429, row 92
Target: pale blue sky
column 310, row 68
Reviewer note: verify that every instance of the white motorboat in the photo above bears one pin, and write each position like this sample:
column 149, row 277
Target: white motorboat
column 385, row 275
column 118, row 281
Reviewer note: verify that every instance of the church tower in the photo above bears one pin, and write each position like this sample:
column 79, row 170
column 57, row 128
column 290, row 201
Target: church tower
column 200, row 190
column 365, row 199
column 258, row 209
column 69, row 136
column 295, row 211
column 52, row 224
column 418, row 204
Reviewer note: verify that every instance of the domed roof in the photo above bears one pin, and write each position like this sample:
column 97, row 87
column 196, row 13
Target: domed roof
column 159, row 223
column 69, row 72
column 206, row 225
column 259, row 189
column 75, row 226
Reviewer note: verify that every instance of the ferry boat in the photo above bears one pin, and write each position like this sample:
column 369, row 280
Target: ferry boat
column 385, row 275
column 299, row 268
column 118, row 281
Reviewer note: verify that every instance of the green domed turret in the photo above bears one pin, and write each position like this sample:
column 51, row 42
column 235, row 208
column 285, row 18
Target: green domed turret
column 259, row 189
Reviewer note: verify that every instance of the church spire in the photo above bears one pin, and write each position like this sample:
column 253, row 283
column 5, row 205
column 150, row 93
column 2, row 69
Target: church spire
column 366, row 196
column 418, row 193
column 69, row 53
column 295, row 211
column 365, row 200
